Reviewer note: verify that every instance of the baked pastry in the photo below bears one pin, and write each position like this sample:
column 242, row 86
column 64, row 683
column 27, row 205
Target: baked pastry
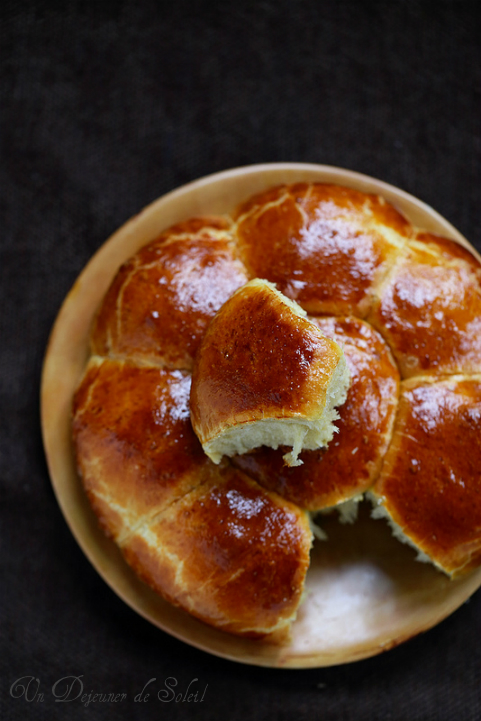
column 324, row 246
column 135, row 447
column 428, row 308
column 349, row 465
column 207, row 538
column 429, row 487
column 162, row 299
column 264, row 375
column 230, row 543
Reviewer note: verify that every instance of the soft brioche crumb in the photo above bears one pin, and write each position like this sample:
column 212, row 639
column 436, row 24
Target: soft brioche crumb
column 348, row 510
column 319, row 432
column 260, row 348
column 316, row 529
column 299, row 433
column 380, row 511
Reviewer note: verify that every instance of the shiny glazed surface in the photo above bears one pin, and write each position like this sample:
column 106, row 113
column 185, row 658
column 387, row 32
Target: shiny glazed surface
column 431, row 478
column 162, row 300
column 352, row 460
column 229, row 553
column 323, row 245
column 189, row 528
column 135, row 447
column 429, row 309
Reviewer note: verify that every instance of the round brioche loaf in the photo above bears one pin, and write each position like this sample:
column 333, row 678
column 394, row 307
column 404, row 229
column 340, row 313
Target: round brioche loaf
column 230, row 543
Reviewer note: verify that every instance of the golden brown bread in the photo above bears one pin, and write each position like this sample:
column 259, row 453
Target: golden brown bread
column 264, row 375
column 230, row 553
column 162, row 299
column 207, row 538
column 222, row 542
column 430, row 482
column 351, row 462
column 135, row 447
column 324, row 246
column 429, row 308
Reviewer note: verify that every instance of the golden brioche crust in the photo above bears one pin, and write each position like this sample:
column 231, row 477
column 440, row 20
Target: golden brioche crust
column 324, row 246
column 351, row 462
column 187, row 527
column 230, row 553
column 449, row 249
column 135, row 447
column 430, row 482
column 161, row 301
column 429, row 309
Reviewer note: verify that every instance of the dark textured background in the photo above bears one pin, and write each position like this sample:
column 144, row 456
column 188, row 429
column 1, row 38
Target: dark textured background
column 105, row 106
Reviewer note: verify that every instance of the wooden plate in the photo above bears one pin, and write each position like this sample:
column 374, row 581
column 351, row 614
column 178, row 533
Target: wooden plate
column 365, row 591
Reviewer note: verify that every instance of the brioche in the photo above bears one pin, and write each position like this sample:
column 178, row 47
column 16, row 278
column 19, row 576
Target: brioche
column 162, row 299
column 351, row 462
column 175, row 346
column 135, row 448
column 207, row 538
column 429, row 486
column 429, row 308
column 324, row 246
column 265, row 376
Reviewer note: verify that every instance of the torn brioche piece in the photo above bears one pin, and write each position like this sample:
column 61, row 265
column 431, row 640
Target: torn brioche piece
column 265, row 375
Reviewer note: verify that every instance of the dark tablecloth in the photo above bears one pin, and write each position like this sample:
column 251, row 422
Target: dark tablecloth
column 104, row 107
